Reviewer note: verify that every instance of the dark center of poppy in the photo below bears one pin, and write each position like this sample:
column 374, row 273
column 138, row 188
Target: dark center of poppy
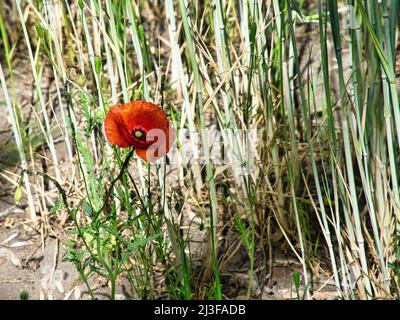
column 139, row 134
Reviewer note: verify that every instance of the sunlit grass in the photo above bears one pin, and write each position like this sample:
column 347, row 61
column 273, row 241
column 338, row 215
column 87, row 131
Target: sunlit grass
column 318, row 169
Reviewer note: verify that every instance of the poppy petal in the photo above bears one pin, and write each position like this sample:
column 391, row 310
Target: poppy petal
column 124, row 121
column 149, row 154
column 144, row 114
column 141, row 153
column 115, row 130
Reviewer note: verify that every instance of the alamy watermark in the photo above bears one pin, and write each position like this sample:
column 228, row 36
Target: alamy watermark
column 349, row 18
column 228, row 147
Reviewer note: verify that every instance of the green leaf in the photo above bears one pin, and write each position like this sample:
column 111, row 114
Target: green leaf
column 24, row 295
column 296, row 279
column 39, row 30
column 87, row 209
column 18, row 195
column 97, row 64
column 57, row 205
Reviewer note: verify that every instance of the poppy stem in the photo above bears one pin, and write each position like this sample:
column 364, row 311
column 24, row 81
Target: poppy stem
column 108, row 192
column 55, row 182
column 137, row 191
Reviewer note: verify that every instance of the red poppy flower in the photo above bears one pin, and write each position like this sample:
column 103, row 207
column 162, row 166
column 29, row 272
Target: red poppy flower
column 142, row 125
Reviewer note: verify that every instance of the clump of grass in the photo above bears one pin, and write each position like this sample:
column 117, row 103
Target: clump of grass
column 24, row 295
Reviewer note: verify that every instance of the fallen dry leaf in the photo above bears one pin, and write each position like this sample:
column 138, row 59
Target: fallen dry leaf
column 10, row 256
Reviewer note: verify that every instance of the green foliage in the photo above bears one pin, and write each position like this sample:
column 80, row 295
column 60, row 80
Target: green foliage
column 24, row 295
